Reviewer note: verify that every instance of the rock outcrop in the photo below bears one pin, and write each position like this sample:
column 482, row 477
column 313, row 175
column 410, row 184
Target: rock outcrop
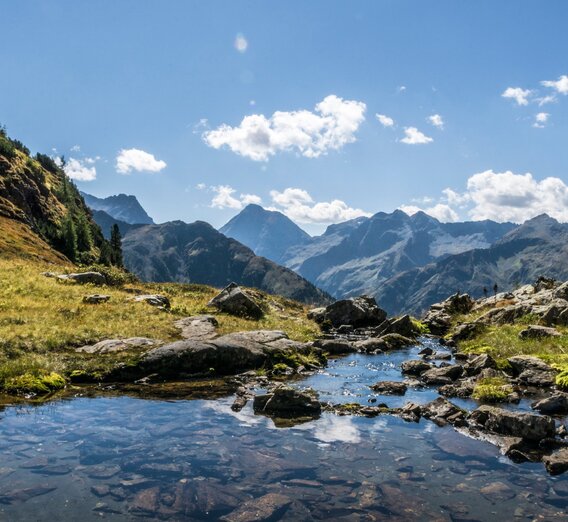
column 234, row 301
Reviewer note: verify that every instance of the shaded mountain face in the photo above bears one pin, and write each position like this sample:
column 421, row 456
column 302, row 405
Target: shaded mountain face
column 122, row 207
column 197, row 253
column 358, row 256
column 106, row 221
column 538, row 247
column 267, row 233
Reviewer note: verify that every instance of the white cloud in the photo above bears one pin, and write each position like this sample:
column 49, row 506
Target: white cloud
column 505, row 196
column 560, row 85
column 384, row 120
column 455, row 198
column 76, row 169
column 299, row 206
column 330, row 126
column 224, row 198
column 137, row 160
column 75, row 148
column 241, row 43
column 551, row 98
column 414, row 137
column 436, row 120
column 201, row 186
column 519, row 95
column 540, row 120
column 250, row 199
column 440, row 211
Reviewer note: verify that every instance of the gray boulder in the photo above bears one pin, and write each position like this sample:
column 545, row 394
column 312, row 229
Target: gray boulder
column 389, row 388
column 288, row 402
column 465, row 331
column 503, row 422
column 532, row 371
column 200, row 327
column 118, row 345
column 404, row 326
column 479, row 363
column 94, row 278
column 555, row 404
column 441, row 411
column 335, row 346
column 226, row 355
column 96, row 299
column 234, row 301
column 561, row 292
column 160, row 301
column 442, row 375
column 538, row 332
column 358, row 312
column 415, row 367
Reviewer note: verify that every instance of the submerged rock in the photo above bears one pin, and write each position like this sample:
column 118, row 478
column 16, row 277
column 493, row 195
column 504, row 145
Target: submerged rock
column 263, row 509
column 528, row 426
column 234, row 301
column 557, row 463
column 287, row 402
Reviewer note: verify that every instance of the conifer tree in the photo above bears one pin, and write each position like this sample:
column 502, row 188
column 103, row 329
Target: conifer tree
column 116, row 246
column 69, row 236
column 84, row 235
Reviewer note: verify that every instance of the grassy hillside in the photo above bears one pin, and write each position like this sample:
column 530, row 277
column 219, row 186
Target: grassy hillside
column 42, row 320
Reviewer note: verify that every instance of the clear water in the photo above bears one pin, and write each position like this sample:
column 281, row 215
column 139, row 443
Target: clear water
column 121, row 458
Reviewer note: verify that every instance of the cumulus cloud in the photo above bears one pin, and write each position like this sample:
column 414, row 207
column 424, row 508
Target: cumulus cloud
column 384, row 120
column 519, row 95
column 331, row 125
column 241, row 43
column 129, row 160
column 543, row 100
column 505, row 196
column 440, row 211
column 436, row 120
column 224, row 198
column 501, row 196
column 414, row 137
column 299, row 206
column 560, row 85
column 540, row 120
column 78, row 170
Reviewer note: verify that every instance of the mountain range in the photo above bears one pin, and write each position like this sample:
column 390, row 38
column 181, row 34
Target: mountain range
column 406, row 262
column 121, row 207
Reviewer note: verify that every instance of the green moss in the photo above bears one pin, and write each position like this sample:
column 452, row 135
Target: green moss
column 477, row 348
column 280, row 367
column 504, row 365
column 491, row 389
column 420, row 326
column 562, row 379
column 37, row 384
column 295, row 359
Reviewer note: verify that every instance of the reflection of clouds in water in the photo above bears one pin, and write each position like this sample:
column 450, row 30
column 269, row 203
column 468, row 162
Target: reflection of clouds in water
column 336, row 429
column 429, row 427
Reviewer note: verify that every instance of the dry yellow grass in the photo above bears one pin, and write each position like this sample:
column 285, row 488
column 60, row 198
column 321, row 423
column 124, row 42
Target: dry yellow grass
column 42, row 320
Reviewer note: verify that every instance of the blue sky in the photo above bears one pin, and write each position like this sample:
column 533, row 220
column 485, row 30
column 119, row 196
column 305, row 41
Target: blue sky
column 135, row 94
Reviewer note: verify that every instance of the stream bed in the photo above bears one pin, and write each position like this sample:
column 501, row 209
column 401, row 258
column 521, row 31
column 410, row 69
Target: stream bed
column 124, row 458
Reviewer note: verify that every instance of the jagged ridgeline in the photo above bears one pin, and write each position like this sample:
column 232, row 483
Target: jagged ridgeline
column 36, row 193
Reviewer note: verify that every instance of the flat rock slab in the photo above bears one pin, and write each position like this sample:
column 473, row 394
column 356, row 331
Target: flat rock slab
column 228, row 354
column 118, row 345
column 94, row 278
column 200, row 327
column 158, row 300
column 538, row 332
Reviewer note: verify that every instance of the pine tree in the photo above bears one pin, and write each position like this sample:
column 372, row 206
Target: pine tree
column 105, row 257
column 69, row 237
column 84, row 235
column 116, row 246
